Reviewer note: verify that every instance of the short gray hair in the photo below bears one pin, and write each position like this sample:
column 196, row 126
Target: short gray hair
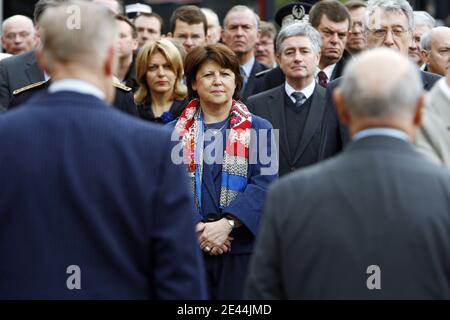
column 423, row 18
column 238, row 8
column 86, row 43
column 299, row 29
column 381, row 83
column 389, row 5
column 425, row 41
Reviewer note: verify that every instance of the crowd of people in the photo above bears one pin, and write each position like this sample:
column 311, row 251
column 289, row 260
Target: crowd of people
column 307, row 160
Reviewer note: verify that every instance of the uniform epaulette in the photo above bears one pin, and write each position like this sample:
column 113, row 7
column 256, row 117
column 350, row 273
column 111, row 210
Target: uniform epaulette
column 28, row 87
column 261, row 73
column 121, row 86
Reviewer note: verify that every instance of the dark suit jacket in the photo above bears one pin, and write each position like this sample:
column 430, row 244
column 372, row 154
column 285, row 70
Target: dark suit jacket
column 86, row 185
column 123, row 100
column 270, row 105
column 325, row 225
column 340, row 130
column 17, row 72
column 250, row 87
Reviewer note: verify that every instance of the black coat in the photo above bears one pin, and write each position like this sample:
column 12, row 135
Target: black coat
column 270, row 106
column 326, row 225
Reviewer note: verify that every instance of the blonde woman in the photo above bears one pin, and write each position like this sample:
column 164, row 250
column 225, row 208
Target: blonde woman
column 159, row 73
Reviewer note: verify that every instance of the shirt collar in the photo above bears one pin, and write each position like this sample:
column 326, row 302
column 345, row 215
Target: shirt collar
column 388, row 132
column 307, row 91
column 75, row 85
column 328, row 71
column 248, row 66
column 444, row 87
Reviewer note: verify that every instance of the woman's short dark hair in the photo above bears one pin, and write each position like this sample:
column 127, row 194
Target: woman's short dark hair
column 220, row 54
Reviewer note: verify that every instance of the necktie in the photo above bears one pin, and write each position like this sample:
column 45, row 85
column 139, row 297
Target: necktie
column 299, row 99
column 244, row 81
column 323, row 79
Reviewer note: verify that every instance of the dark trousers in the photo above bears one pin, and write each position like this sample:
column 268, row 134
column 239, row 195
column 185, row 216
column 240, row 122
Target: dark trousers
column 226, row 275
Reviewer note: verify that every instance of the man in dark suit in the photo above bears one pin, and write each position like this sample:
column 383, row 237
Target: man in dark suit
column 240, row 32
column 296, row 107
column 91, row 203
column 332, row 20
column 371, row 223
column 19, row 71
column 290, row 13
column 383, row 30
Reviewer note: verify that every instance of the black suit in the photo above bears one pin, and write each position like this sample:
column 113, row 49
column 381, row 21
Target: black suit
column 17, row 72
column 270, row 105
column 340, row 130
column 326, row 224
column 250, row 86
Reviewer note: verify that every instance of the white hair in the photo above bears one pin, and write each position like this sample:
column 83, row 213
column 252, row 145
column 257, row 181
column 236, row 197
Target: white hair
column 207, row 11
column 423, row 18
column 389, row 5
column 381, row 83
column 16, row 18
column 240, row 8
column 87, row 43
column 299, row 29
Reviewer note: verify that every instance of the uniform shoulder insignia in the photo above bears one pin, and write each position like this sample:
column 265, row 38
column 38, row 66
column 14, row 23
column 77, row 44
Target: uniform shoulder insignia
column 28, row 87
column 123, row 87
column 261, row 73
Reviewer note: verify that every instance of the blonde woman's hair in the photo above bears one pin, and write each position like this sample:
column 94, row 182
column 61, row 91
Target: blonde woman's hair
column 173, row 57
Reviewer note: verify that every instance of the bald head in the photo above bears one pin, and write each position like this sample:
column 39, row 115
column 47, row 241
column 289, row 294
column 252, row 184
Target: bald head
column 380, row 87
column 18, row 34
column 436, row 50
column 78, row 41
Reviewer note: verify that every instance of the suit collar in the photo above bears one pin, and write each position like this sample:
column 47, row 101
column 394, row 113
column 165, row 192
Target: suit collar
column 66, row 98
column 32, row 70
column 277, row 114
column 380, row 142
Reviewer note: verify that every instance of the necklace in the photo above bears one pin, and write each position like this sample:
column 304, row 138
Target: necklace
column 215, row 131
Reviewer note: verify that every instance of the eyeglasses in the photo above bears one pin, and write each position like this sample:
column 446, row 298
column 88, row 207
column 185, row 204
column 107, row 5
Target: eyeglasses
column 382, row 33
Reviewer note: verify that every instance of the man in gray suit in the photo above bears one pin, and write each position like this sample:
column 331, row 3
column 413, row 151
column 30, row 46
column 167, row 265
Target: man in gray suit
column 296, row 107
column 433, row 138
column 371, row 223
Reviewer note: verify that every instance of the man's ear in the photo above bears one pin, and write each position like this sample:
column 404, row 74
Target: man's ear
column 344, row 116
column 40, row 57
column 110, row 64
column 420, row 108
column 169, row 35
column 424, row 55
column 222, row 34
column 277, row 57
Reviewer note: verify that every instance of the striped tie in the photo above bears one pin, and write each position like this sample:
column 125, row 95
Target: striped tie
column 299, row 99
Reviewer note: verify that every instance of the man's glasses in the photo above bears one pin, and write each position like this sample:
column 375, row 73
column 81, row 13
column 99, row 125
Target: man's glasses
column 382, row 33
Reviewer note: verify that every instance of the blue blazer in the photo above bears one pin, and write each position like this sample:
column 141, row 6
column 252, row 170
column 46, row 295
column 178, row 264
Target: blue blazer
column 248, row 206
column 85, row 185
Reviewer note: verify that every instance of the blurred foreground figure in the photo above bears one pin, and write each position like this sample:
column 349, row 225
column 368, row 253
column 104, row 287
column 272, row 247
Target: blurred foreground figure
column 81, row 220
column 371, row 223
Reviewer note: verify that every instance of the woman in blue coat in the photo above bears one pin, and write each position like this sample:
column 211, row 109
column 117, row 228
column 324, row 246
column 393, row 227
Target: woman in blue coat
column 230, row 160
